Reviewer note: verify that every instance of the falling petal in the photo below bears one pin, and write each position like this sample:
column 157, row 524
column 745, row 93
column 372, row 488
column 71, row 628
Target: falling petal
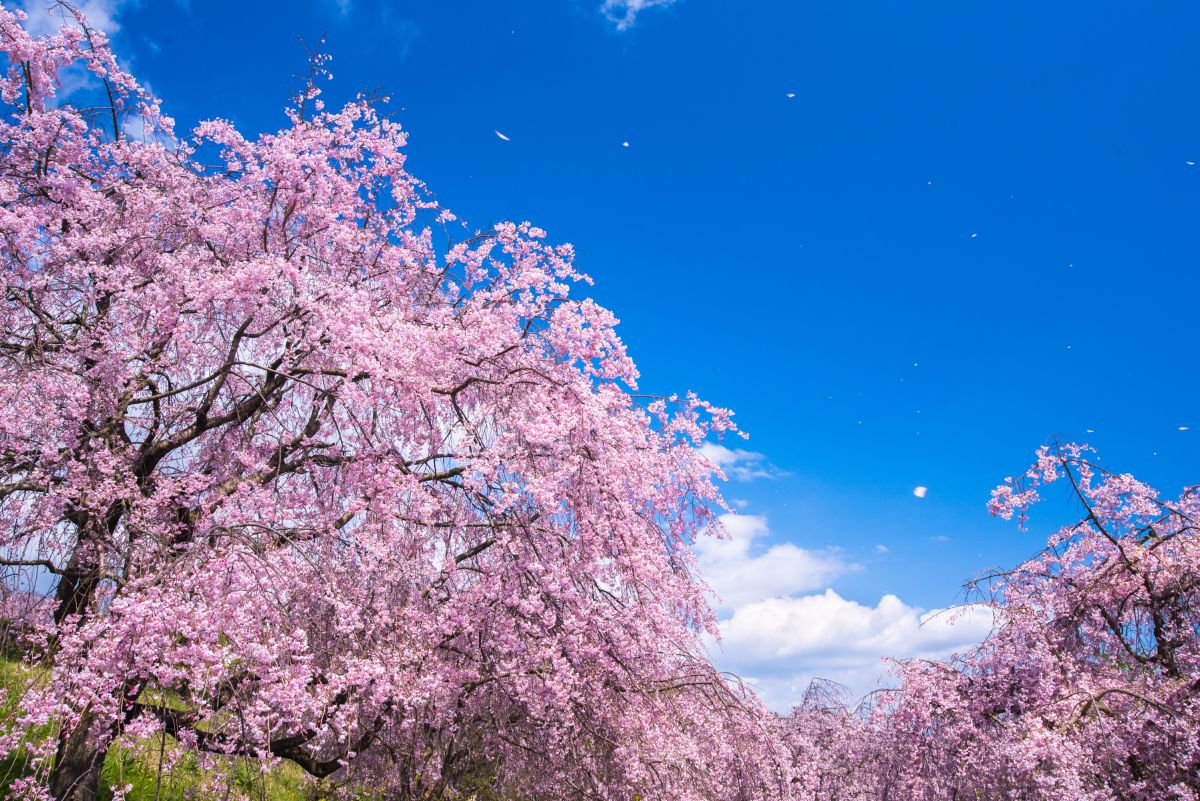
column 624, row 144
column 974, row 235
column 791, row 95
column 920, row 491
column 1184, row 428
column 502, row 136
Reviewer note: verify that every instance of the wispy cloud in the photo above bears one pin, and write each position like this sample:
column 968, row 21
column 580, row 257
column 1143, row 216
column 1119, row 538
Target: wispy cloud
column 377, row 27
column 741, row 572
column 739, row 464
column 623, row 13
column 47, row 17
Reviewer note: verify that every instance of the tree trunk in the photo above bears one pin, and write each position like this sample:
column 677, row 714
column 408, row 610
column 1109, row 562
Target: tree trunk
column 77, row 764
column 77, row 585
column 80, row 757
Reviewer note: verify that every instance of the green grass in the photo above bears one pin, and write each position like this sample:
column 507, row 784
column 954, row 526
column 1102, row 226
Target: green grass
column 182, row 777
column 15, row 679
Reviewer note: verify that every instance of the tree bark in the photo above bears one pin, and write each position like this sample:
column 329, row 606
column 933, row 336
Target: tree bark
column 78, row 759
column 77, row 764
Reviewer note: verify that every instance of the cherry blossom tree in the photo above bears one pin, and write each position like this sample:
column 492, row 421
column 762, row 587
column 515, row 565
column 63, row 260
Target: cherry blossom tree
column 299, row 483
column 1087, row 688
column 1099, row 652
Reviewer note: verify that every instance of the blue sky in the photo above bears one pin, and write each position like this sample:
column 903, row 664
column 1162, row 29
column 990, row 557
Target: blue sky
column 907, row 242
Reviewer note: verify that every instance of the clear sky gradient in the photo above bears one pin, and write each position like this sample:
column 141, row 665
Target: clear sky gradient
column 907, row 242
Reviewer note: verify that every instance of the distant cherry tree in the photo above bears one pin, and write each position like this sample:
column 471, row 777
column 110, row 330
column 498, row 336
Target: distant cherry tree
column 300, row 484
column 1088, row 688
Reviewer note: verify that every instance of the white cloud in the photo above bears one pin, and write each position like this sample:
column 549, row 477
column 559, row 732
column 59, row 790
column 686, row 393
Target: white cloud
column 740, row 573
column 779, row 635
column 781, row 644
column 47, row 17
column 624, row 12
column 739, row 464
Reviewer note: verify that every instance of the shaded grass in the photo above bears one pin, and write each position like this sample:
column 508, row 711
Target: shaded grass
column 154, row 769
